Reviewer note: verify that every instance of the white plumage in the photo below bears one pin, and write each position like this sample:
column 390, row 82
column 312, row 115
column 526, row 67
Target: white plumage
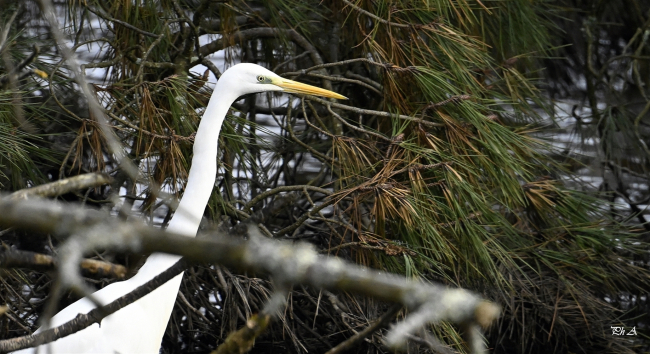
column 139, row 327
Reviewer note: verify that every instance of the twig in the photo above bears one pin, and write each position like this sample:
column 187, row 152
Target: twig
column 192, row 308
column 214, row 24
column 90, row 267
column 93, row 103
column 452, row 99
column 293, row 136
column 173, row 136
column 357, row 338
column 420, row 167
column 97, row 111
column 82, row 321
column 375, row 113
column 387, row 66
column 192, row 37
column 11, row 75
column 353, row 244
column 64, row 186
column 303, row 54
column 432, row 343
column 368, row 81
column 342, row 79
column 306, row 117
column 304, row 217
column 261, row 32
column 280, row 189
column 359, row 129
column 242, row 340
column 145, row 56
column 127, row 25
column 371, row 15
column 6, row 29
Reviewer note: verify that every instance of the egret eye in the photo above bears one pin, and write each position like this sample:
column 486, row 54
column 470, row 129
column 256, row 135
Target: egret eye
column 261, row 78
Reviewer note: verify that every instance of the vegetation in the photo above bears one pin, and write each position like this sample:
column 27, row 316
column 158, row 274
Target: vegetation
column 437, row 167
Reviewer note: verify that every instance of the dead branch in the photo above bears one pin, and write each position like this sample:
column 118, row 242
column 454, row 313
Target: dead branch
column 374, row 113
column 94, row 106
column 64, row 186
column 287, row 263
column 357, row 338
column 95, row 316
column 242, row 340
column 265, row 32
column 11, row 258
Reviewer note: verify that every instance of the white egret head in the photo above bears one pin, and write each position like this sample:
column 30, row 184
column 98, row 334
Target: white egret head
column 252, row 78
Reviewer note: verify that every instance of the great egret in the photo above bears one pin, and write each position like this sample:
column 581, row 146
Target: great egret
column 139, row 327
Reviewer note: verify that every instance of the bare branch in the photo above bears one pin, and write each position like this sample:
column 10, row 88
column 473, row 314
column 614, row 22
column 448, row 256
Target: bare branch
column 6, row 29
column 281, row 189
column 387, row 66
column 89, row 267
column 374, row 113
column 95, row 107
column 108, row 18
column 95, row 316
column 262, row 32
column 357, row 338
column 242, row 340
column 394, row 24
column 64, row 186
column 287, row 263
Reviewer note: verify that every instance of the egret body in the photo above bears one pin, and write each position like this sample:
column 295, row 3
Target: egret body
column 139, row 327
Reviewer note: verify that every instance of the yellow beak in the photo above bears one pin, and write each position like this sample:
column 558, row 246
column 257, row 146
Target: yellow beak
column 298, row 87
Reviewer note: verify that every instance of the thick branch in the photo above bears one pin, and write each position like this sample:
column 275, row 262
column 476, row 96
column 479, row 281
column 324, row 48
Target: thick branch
column 288, row 263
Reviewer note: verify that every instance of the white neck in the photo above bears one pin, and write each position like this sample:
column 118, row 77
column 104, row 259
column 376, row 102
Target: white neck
column 200, row 181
